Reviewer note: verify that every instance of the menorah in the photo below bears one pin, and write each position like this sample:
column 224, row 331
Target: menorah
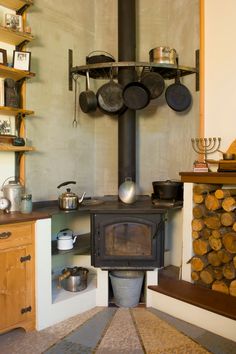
column 205, row 146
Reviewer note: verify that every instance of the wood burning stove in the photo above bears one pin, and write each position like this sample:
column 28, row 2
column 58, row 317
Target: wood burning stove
column 128, row 236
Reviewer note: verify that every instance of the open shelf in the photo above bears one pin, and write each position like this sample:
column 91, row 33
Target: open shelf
column 102, row 70
column 15, row 74
column 7, row 147
column 81, row 246
column 4, row 110
column 13, row 37
column 15, row 4
column 59, row 294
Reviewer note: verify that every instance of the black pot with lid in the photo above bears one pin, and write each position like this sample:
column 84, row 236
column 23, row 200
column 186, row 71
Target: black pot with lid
column 172, row 190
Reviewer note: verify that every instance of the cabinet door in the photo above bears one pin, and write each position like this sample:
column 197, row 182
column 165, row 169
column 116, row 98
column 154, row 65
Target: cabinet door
column 16, row 286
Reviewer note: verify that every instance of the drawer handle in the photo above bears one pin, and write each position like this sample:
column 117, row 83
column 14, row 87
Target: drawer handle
column 4, row 235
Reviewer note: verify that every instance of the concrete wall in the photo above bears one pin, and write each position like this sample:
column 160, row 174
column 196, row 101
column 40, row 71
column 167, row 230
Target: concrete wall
column 88, row 153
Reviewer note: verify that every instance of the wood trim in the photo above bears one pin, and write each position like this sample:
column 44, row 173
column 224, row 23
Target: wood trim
column 209, row 177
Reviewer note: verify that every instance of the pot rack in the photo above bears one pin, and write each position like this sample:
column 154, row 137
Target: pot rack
column 102, row 70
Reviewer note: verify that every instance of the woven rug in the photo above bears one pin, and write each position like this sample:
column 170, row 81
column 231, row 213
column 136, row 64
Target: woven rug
column 126, row 331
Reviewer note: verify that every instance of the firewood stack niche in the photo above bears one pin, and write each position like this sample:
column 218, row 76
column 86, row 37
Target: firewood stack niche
column 213, row 264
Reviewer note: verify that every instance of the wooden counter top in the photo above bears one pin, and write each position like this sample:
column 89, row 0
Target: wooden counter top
column 19, row 217
column 209, row 177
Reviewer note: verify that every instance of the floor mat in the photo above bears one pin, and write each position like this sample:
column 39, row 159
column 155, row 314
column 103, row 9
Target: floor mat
column 158, row 337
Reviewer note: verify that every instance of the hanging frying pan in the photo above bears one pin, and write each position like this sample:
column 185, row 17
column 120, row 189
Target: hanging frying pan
column 136, row 95
column 109, row 97
column 178, row 96
column 154, row 83
column 87, row 99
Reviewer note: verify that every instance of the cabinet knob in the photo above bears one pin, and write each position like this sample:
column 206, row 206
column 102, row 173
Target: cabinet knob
column 4, row 235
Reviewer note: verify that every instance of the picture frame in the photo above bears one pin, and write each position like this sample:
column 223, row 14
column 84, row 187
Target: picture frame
column 7, row 127
column 3, row 56
column 14, row 22
column 21, row 60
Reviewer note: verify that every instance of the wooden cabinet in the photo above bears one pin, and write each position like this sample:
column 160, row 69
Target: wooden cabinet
column 17, row 303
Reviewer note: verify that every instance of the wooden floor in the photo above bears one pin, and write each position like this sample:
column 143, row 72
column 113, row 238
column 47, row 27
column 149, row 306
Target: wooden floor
column 207, row 299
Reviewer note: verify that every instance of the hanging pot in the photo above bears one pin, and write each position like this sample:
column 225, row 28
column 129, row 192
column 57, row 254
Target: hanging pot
column 136, row 95
column 178, row 96
column 88, row 99
column 154, row 83
column 109, row 97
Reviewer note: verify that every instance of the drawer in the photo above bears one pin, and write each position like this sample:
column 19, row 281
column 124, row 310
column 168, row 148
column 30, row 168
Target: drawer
column 13, row 235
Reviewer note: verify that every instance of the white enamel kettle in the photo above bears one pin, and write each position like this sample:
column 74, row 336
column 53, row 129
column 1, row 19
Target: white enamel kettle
column 65, row 239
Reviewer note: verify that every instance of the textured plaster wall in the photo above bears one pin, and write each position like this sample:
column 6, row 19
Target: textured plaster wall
column 88, row 153
column 63, row 152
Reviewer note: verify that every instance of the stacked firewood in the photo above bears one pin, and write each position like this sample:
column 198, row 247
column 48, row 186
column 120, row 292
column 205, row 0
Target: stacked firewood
column 214, row 238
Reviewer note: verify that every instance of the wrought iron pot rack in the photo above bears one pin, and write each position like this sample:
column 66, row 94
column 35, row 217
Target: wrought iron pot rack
column 102, row 70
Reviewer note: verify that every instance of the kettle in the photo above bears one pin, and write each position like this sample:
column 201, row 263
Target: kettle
column 69, row 200
column 65, row 239
column 13, row 192
column 127, row 191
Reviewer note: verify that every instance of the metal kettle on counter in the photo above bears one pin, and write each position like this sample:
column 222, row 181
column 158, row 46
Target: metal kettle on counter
column 13, row 191
column 69, row 200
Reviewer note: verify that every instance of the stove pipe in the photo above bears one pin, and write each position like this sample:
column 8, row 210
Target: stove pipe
column 127, row 120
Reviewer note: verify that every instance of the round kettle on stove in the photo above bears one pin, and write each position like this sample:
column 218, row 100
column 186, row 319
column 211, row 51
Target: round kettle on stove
column 69, row 200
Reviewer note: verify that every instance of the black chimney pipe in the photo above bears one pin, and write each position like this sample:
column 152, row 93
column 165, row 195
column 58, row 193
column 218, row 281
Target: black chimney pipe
column 127, row 120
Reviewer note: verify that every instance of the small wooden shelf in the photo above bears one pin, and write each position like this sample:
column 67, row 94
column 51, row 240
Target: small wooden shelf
column 15, row 4
column 7, row 147
column 14, row 37
column 4, row 110
column 15, row 74
column 209, row 177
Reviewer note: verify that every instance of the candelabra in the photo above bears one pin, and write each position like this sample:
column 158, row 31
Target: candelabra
column 205, row 146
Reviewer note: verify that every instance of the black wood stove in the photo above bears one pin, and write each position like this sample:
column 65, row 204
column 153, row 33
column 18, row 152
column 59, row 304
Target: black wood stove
column 128, row 236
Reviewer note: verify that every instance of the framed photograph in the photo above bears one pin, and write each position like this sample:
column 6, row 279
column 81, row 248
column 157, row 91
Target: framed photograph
column 3, row 56
column 21, row 60
column 14, row 22
column 6, row 127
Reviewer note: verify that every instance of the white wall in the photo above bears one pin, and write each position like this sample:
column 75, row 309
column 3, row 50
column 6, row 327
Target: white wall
column 220, row 70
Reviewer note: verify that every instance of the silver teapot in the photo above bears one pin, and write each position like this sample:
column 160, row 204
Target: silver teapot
column 69, row 200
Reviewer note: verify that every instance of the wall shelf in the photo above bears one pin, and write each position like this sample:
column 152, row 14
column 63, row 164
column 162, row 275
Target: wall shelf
column 14, row 37
column 12, row 148
column 4, row 110
column 15, row 4
column 15, row 74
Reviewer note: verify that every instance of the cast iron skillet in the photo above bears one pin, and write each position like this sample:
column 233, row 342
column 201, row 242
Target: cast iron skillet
column 154, row 83
column 178, row 96
column 136, row 95
column 109, row 97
